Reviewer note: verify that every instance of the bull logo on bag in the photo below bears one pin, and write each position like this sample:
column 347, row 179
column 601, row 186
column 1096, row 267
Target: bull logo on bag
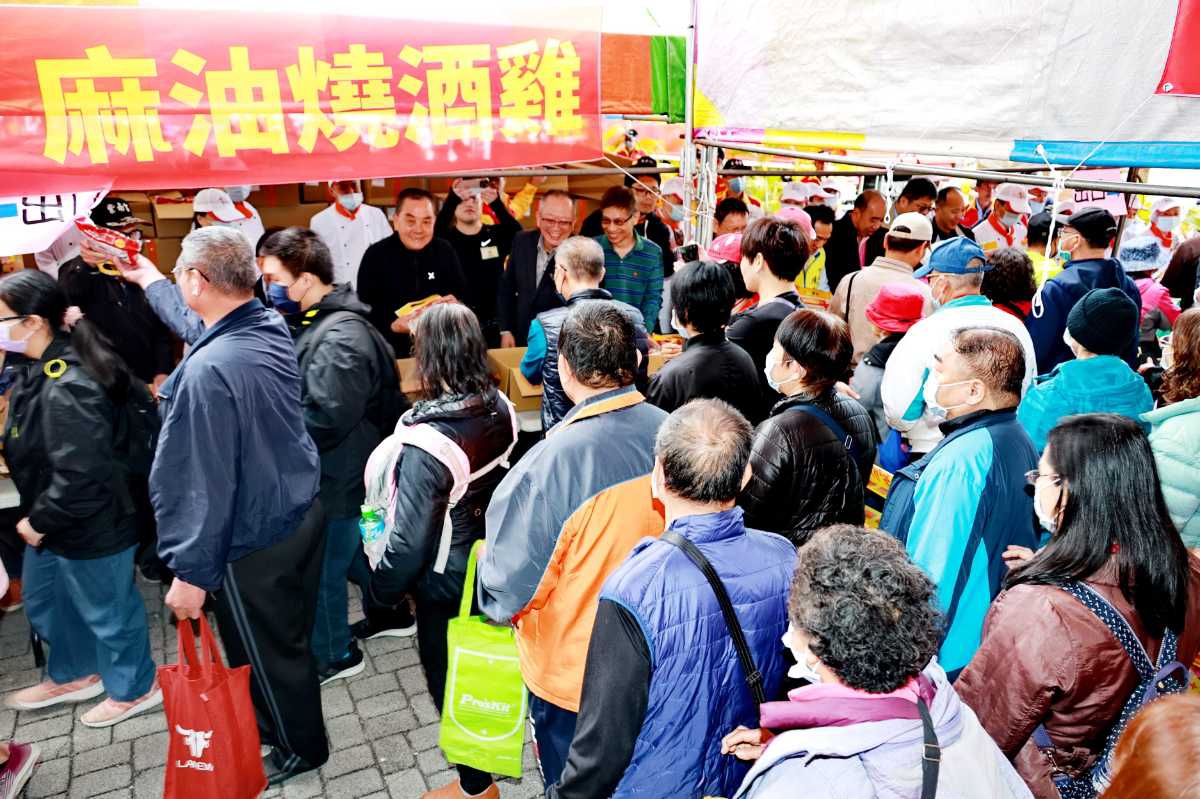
column 197, row 741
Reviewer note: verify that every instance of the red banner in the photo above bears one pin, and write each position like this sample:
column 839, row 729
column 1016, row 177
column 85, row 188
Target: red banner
column 1181, row 75
column 146, row 98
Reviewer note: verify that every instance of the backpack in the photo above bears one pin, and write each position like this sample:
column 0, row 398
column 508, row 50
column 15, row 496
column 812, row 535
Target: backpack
column 135, row 430
column 1167, row 676
column 380, row 477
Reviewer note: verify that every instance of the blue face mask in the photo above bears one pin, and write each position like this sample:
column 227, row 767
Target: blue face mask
column 677, row 213
column 278, row 297
column 737, row 185
column 1036, row 207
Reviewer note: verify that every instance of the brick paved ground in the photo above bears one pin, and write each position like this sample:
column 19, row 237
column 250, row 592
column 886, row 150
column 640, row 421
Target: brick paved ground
column 382, row 727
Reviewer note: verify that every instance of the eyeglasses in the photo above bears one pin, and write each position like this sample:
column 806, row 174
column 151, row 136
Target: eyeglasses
column 548, row 222
column 13, row 318
column 1034, row 475
column 608, row 221
column 180, row 269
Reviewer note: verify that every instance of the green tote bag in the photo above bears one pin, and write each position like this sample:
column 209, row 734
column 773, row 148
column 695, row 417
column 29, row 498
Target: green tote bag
column 483, row 718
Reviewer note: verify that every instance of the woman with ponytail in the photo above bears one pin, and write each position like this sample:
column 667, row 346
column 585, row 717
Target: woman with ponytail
column 76, row 513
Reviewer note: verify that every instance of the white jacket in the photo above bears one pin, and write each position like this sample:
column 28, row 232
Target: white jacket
column 903, row 385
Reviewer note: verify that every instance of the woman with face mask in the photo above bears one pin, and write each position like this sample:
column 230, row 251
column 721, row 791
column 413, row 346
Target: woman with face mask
column 1051, row 678
column 813, row 455
column 77, row 517
column 879, row 711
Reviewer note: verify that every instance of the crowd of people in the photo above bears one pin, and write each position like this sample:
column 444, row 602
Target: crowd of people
column 699, row 606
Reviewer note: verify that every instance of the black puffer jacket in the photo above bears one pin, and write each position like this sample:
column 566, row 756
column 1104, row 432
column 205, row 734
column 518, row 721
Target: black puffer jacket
column 481, row 425
column 350, row 393
column 803, row 476
column 58, row 443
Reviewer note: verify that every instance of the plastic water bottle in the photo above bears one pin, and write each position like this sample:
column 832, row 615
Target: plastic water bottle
column 374, row 534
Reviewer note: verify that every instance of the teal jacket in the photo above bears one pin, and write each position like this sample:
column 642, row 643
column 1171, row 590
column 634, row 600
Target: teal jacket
column 1103, row 384
column 1175, row 439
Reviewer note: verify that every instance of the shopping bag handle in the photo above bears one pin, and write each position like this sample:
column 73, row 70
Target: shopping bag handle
column 209, row 657
column 464, row 607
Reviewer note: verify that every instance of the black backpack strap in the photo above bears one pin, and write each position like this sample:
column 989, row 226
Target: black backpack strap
column 838, row 431
column 754, row 677
column 931, row 755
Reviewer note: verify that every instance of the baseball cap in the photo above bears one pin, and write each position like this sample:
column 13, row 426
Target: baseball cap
column 1165, row 204
column 796, row 191
column 727, row 247
column 1093, row 223
column 791, row 213
column 673, row 186
column 113, row 213
column 644, row 162
column 217, row 203
column 956, row 256
column 911, row 226
column 826, row 191
column 1016, row 196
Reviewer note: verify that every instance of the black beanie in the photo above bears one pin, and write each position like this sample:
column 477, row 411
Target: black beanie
column 1105, row 321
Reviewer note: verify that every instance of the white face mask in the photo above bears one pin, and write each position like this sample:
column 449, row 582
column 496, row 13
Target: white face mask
column 238, row 193
column 932, row 387
column 1167, row 224
column 679, row 328
column 801, row 671
column 1048, row 522
column 1010, row 219
column 776, row 386
column 350, row 201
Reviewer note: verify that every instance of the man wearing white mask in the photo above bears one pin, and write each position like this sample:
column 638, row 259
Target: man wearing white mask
column 955, row 271
column 1165, row 217
column 348, row 228
column 218, row 207
column 1002, row 227
column 662, row 655
column 961, row 506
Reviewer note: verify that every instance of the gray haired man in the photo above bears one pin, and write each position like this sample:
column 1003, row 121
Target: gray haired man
column 234, row 486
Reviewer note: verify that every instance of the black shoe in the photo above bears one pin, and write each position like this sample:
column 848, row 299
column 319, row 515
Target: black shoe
column 390, row 623
column 278, row 770
column 348, row 666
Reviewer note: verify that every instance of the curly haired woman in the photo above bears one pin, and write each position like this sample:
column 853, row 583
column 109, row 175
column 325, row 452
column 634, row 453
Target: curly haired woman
column 1175, row 429
column 864, row 629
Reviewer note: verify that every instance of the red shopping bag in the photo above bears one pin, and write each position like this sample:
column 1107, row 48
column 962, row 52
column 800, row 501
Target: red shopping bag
column 214, row 746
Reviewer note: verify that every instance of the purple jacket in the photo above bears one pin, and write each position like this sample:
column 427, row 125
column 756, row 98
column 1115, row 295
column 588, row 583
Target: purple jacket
column 873, row 747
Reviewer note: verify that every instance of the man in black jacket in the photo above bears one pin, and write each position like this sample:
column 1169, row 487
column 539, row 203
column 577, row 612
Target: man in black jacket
column 710, row 366
column 527, row 285
column 917, row 196
column 844, row 252
column 407, row 266
column 481, row 248
column 350, row 394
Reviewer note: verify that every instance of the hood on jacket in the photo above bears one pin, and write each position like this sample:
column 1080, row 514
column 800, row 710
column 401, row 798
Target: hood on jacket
column 451, row 407
column 1105, row 380
column 1181, row 408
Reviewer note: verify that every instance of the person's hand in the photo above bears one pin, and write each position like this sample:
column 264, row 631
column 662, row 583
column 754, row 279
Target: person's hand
column 746, row 744
column 845, row 390
column 458, row 188
column 539, row 180
column 28, row 534
column 403, row 324
column 91, row 254
column 1015, row 556
column 670, row 349
column 489, row 195
column 185, row 599
column 74, row 314
column 157, row 384
column 1145, row 367
column 507, row 340
column 653, row 345
column 142, row 273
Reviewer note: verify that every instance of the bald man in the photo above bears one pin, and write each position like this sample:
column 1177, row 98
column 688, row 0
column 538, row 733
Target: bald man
column 844, row 252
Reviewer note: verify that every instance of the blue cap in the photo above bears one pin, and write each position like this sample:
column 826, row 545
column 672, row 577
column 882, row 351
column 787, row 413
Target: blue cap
column 956, row 256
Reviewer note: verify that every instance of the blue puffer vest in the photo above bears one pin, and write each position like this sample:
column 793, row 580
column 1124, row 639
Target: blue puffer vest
column 698, row 691
column 555, row 402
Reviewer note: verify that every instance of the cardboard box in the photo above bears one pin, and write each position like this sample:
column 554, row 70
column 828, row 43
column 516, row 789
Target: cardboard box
column 172, row 213
column 279, row 194
column 290, row 216
column 409, row 383
column 505, row 365
column 164, row 252
column 314, row 192
column 382, row 191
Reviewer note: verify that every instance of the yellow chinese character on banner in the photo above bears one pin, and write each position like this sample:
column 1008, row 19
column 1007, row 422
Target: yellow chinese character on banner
column 246, row 112
column 362, row 104
column 83, row 113
column 459, row 94
column 540, row 85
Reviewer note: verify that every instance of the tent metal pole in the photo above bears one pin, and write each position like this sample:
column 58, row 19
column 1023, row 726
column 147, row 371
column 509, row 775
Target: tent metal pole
column 972, row 174
column 688, row 162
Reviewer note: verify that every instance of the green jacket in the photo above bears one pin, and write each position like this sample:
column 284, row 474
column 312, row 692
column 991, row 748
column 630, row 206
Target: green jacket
column 1103, row 384
column 1175, row 439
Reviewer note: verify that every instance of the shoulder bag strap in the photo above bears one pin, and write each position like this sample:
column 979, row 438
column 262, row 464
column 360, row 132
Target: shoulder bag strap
column 931, row 755
column 850, row 294
column 838, row 431
column 754, row 677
